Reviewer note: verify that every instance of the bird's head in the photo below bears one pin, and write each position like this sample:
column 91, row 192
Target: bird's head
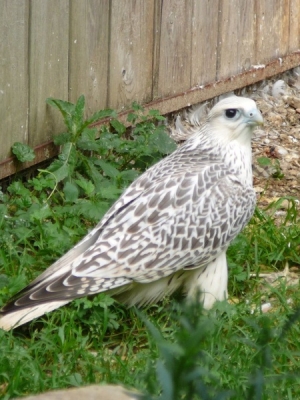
column 234, row 118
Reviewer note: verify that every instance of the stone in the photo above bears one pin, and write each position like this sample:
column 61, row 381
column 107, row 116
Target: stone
column 93, row 392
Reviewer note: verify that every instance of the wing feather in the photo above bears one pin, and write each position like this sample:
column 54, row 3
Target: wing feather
column 182, row 221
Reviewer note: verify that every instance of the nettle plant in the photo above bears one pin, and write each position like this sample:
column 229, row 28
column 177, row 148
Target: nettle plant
column 49, row 213
column 95, row 167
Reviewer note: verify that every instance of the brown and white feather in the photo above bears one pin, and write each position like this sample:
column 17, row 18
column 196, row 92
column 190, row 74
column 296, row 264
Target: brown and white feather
column 171, row 227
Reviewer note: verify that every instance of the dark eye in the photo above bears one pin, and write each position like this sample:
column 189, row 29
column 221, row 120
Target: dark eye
column 231, row 112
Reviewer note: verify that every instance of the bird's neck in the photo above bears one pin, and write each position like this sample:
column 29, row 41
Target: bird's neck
column 239, row 158
column 236, row 155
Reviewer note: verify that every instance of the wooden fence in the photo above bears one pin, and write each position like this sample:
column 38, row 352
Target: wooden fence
column 169, row 53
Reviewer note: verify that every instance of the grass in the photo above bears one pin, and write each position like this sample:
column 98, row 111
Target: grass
column 172, row 350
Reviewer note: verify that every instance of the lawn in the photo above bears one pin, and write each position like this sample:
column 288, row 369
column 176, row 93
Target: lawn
column 172, row 350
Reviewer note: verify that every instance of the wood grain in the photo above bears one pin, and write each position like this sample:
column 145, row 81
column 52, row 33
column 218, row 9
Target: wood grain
column 130, row 52
column 272, row 36
column 176, row 102
column 236, row 48
column 14, row 17
column 48, row 66
column 89, row 40
column 204, row 42
column 294, row 32
column 175, row 47
column 156, row 52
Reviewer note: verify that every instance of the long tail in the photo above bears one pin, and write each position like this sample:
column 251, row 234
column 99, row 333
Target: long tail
column 13, row 314
column 11, row 320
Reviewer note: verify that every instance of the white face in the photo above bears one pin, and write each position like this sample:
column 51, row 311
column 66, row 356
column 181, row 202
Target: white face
column 234, row 118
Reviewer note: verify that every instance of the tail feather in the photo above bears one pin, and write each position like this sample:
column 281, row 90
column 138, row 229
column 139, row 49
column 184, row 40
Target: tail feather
column 19, row 317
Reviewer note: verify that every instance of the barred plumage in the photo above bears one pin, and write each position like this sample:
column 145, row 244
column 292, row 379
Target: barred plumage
column 171, row 228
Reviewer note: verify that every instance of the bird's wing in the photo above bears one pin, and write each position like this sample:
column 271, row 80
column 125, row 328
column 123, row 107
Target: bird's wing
column 181, row 221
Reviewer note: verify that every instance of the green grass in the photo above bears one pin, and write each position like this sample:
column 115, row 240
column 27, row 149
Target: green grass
column 172, row 350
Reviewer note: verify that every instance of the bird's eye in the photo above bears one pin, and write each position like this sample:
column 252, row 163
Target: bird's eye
column 231, row 112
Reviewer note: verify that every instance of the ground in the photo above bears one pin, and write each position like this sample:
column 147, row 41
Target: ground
column 278, row 141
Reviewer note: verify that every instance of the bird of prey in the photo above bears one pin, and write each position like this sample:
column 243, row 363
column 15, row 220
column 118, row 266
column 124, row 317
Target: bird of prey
column 170, row 228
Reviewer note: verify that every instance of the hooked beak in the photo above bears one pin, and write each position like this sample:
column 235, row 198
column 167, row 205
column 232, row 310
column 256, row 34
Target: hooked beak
column 255, row 118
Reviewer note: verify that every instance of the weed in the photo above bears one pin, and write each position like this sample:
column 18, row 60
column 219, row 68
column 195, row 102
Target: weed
column 47, row 215
column 226, row 354
column 274, row 164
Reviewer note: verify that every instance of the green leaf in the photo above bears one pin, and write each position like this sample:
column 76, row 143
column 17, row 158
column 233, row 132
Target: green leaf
column 23, row 152
column 264, row 161
column 75, row 379
column 90, row 209
column 79, row 111
column 109, row 141
column 62, row 105
column 58, row 170
column 118, row 126
column 71, row 191
column 165, row 379
column 69, row 155
column 156, row 115
column 94, row 174
column 66, row 108
column 164, row 143
column 129, row 175
column 107, row 168
column 137, row 107
column 17, row 188
column 100, row 115
column 87, row 186
column 132, row 117
column 4, row 280
column 110, row 192
column 43, row 182
column 23, row 233
column 61, row 173
column 87, row 140
column 40, row 212
column 62, row 138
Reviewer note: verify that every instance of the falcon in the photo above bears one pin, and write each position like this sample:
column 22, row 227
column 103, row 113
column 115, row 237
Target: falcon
column 170, row 229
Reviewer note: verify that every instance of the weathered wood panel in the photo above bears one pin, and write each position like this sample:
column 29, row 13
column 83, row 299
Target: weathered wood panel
column 175, row 47
column 48, row 66
column 205, row 20
column 14, row 74
column 236, row 49
column 156, row 46
column 157, row 52
column 294, row 32
column 89, row 43
column 130, row 52
column 272, row 36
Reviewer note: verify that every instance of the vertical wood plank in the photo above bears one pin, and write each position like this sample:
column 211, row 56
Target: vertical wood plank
column 14, row 17
column 272, row 29
column 156, row 46
column 48, row 67
column 116, row 51
column 89, row 38
column 175, row 47
column 131, row 52
column 236, row 42
column 294, row 32
column 204, row 41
